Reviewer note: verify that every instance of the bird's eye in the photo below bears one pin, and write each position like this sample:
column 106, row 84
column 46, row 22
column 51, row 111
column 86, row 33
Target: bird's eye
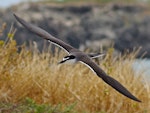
column 72, row 56
column 69, row 57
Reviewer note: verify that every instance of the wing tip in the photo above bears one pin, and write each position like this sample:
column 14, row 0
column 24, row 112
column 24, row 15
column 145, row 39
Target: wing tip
column 16, row 16
column 19, row 19
column 137, row 100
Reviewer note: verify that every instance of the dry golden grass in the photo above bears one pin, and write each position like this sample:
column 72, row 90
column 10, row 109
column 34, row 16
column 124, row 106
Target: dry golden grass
column 37, row 76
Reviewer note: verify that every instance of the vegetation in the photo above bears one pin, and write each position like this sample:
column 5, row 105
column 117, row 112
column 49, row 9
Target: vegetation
column 31, row 81
column 30, row 106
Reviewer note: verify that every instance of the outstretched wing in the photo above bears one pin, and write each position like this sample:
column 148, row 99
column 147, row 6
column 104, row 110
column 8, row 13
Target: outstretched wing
column 109, row 80
column 42, row 33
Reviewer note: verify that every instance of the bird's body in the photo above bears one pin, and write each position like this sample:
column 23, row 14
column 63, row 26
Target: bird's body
column 76, row 55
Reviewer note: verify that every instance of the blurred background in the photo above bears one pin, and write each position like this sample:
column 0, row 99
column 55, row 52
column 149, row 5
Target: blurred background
column 85, row 24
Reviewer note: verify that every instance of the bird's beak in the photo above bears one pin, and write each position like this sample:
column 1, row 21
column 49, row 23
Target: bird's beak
column 61, row 62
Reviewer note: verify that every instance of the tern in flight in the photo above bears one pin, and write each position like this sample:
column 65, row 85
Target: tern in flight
column 76, row 55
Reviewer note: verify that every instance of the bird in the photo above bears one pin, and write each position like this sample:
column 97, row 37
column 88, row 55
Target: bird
column 76, row 55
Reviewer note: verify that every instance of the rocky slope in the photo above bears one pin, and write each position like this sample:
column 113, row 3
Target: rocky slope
column 86, row 26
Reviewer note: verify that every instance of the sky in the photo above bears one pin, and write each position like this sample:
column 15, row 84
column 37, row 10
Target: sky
column 7, row 3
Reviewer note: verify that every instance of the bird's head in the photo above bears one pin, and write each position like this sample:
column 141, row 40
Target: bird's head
column 69, row 59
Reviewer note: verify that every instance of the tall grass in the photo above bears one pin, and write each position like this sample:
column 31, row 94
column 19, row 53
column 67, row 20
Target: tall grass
column 37, row 76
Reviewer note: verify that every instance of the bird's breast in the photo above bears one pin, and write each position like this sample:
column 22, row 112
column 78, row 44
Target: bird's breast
column 72, row 61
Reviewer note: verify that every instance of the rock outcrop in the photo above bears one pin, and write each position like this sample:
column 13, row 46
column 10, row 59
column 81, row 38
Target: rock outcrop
column 86, row 26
